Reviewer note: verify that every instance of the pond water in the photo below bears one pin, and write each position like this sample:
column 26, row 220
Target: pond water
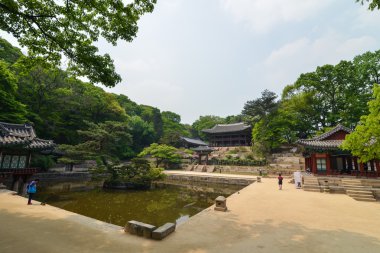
column 164, row 203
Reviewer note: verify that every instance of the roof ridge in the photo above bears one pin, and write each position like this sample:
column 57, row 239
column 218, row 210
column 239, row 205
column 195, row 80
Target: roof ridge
column 332, row 131
column 232, row 124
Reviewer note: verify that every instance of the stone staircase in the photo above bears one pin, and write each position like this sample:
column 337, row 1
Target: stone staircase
column 287, row 161
column 357, row 191
column 311, row 184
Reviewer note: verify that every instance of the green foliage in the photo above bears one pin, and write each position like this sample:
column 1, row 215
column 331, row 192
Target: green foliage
column 259, row 108
column 373, row 4
column 142, row 134
column 43, row 162
column 163, row 154
column 11, row 110
column 8, row 53
column 138, row 173
column 54, row 28
column 108, row 141
column 364, row 142
column 172, row 129
column 205, row 122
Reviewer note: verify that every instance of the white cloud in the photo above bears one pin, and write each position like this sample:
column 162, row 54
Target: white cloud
column 285, row 64
column 262, row 15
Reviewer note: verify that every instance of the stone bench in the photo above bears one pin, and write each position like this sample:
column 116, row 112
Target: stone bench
column 163, row 231
column 139, row 228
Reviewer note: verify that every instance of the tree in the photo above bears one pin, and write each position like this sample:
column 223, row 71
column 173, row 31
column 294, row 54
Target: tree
column 106, row 141
column 364, row 142
column 11, row 110
column 163, row 154
column 8, row 53
column 55, row 28
column 256, row 109
column 373, row 4
column 205, row 122
column 142, row 134
column 172, row 128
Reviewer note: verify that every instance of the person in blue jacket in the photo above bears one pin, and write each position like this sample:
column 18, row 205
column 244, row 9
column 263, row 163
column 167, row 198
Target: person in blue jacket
column 32, row 189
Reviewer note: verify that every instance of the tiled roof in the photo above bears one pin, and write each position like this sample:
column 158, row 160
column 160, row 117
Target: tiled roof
column 194, row 141
column 21, row 135
column 227, row 128
column 321, row 144
column 332, row 131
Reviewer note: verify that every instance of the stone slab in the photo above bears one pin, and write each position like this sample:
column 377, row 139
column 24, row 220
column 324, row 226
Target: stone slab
column 163, row 231
column 139, row 228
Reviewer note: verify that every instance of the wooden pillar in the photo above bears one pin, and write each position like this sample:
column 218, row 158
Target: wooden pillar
column 313, row 164
column 361, row 168
column 206, row 159
column 328, row 164
column 29, row 160
column 356, row 163
column 199, row 159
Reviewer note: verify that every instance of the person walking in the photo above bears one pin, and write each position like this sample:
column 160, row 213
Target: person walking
column 32, row 189
column 280, row 178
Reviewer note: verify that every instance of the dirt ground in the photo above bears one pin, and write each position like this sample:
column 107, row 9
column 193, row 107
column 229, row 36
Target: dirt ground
column 260, row 218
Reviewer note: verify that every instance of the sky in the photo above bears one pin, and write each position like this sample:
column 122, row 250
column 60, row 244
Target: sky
column 198, row 57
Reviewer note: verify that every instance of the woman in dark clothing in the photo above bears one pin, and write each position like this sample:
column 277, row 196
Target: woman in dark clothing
column 280, row 178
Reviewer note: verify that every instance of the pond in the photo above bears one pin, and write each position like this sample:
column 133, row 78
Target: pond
column 164, row 203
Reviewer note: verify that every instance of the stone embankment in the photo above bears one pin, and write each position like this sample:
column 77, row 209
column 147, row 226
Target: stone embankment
column 214, row 178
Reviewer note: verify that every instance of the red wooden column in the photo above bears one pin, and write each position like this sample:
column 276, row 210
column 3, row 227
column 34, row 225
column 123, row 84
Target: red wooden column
column 377, row 167
column 328, row 164
column 361, row 168
column 313, row 163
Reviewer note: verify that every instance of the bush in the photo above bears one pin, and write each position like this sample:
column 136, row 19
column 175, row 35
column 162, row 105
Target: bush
column 138, row 173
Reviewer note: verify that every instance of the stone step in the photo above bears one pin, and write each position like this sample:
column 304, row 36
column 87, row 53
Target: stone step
column 358, row 191
column 365, row 199
column 344, row 183
column 311, row 187
column 352, row 185
column 352, row 182
column 311, row 190
column 360, row 194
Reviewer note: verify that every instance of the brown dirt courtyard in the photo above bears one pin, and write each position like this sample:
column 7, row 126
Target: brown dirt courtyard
column 260, row 219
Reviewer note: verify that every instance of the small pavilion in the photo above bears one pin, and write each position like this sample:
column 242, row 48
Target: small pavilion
column 227, row 135
column 323, row 156
column 192, row 143
column 203, row 151
column 17, row 144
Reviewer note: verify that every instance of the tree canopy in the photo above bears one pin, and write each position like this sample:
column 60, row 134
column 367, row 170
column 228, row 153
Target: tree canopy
column 54, row 28
column 364, row 142
column 163, row 154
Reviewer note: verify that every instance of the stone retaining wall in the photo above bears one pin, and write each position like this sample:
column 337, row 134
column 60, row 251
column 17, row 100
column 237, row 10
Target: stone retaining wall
column 210, row 179
column 59, row 177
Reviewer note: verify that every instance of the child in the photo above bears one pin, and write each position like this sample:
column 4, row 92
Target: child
column 280, row 178
column 32, row 189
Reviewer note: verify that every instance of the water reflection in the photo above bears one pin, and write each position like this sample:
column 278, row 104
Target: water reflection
column 164, row 203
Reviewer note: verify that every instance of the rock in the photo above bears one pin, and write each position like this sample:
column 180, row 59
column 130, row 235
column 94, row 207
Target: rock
column 139, row 228
column 163, row 231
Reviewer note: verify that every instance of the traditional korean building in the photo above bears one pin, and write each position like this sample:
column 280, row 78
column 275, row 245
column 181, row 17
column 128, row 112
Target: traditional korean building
column 225, row 135
column 17, row 144
column 323, row 156
column 192, row 143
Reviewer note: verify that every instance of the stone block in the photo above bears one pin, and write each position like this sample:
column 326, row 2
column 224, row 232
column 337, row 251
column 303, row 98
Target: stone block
column 163, row 231
column 139, row 228
column 220, row 204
